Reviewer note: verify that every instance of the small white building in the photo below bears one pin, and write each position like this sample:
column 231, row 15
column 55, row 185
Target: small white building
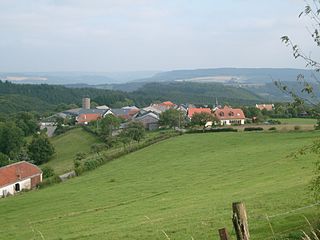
column 17, row 177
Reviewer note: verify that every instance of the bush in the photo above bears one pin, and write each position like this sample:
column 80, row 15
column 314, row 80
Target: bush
column 297, row 128
column 248, row 129
column 272, row 129
column 49, row 181
column 47, row 171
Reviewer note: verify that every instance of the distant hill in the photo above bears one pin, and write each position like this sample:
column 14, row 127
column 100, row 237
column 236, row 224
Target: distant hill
column 225, row 75
column 60, row 78
column 197, row 93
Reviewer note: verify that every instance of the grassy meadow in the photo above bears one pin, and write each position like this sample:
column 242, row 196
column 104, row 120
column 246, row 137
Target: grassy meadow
column 67, row 145
column 181, row 188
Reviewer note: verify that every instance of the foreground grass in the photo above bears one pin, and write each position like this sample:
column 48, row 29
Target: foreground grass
column 182, row 187
column 67, row 145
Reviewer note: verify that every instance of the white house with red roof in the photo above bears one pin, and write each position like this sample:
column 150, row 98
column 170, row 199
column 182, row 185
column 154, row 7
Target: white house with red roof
column 229, row 116
column 17, row 177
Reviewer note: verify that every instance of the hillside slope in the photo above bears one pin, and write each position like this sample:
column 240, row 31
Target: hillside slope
column 182, row 187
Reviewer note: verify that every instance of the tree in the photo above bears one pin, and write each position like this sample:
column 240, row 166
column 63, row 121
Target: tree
column 171, row 118
column 311, row 11
column 4, row 160
column 108, row 124
column 40, row 149
column 11, row 139
column 27, row 123
column 134, row 131
column 200, row 119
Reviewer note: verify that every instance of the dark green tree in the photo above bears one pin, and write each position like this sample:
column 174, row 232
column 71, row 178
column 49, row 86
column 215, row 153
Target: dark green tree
column 4, row 160
column 11, row 139
column 40, row 149
column 27, row 123
column 172, row 118
column 108, row 124
column 134, row 131
column 200, row 119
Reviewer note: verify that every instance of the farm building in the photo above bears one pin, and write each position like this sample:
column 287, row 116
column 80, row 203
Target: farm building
column 229, row 116
column 149, row 120
column 19, row 176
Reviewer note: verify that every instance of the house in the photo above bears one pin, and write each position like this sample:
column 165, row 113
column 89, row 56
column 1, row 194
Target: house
column 167, row 104
column 19, row 176
column 192, row 111
column 229, row 116
column 125, row 113
column 159, row 108
column 149, row 120
column 85, row 118
column 268, row 107
column 102, row 107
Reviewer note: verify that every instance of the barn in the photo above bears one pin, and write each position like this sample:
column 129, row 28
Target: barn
column 17, row 177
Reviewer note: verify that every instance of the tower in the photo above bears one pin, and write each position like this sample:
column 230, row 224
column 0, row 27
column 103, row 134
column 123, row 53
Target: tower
column 86, row 103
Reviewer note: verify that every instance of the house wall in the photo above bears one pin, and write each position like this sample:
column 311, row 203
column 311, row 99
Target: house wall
column 24, row 184
column 230, row 122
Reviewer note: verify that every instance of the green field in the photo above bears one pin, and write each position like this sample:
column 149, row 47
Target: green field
column 182, row 187
column 67, row 145
column 297, row 120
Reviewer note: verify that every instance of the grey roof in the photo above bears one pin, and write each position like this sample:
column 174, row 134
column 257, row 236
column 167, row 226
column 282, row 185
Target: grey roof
column 120, row 111
column 98, row 111
column 78, row 111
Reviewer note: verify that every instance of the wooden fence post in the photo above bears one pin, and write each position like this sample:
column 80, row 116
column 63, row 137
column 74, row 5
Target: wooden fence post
column 223, row 234
column 240, row 221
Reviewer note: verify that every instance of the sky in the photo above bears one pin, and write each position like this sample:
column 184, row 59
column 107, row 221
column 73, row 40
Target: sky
column 143, row 35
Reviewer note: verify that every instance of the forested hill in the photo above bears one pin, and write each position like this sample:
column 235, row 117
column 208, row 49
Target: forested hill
column 45, row 98
column 198, row 93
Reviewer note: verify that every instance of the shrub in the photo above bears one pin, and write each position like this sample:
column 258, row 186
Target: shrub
column 297, row 128
column 272, row 129
column 248, row 129
column 47, row 171
column 49, row 181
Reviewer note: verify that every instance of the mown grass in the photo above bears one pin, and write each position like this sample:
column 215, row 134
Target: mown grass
column 182, row 187
column 67, row 145
column 297, row 120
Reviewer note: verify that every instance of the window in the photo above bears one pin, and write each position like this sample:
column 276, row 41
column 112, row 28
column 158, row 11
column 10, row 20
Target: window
column 221, row 114
column 17, row 187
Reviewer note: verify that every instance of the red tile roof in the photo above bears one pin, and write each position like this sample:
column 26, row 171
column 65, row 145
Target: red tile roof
column 168, row 104
column 17, row 171
column 88, row 117
column 229, row 113
column 192, row 111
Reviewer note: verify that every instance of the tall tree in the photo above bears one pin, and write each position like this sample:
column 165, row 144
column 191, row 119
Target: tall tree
column 40, row 149
column 171, row 118
column 108, row 124
column 11, row 139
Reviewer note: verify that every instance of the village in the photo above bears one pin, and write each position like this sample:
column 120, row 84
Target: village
column 149, row 116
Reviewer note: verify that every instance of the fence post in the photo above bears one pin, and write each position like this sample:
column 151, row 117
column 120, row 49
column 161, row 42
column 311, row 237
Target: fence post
column 240, row 221
column 223, row 234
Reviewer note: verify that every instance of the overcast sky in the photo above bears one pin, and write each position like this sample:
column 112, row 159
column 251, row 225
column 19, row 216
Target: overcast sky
column 127, row 35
